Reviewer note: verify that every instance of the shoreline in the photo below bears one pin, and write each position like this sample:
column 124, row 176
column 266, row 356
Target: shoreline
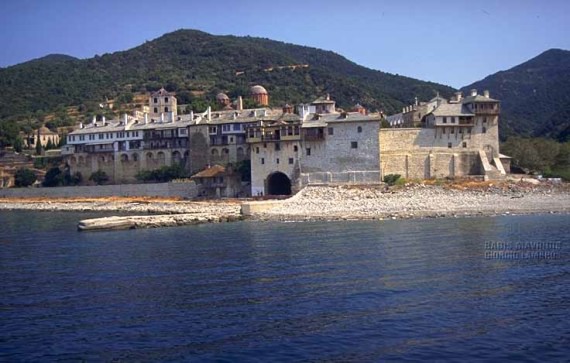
column 327, row 203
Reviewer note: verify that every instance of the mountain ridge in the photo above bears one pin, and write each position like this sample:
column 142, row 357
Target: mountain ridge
column 191, row 60
column 534, row 95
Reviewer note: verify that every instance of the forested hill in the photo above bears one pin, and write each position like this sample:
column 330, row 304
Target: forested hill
column 535, row 96
column 197, row 64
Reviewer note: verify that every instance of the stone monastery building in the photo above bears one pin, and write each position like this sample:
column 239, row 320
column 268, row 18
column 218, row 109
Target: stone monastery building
column 289, row 148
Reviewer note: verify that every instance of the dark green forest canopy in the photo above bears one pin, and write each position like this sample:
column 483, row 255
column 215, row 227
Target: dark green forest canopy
column 535, row 96
column 189, row 60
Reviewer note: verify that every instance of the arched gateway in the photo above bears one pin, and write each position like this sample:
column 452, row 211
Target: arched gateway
column 278, row 184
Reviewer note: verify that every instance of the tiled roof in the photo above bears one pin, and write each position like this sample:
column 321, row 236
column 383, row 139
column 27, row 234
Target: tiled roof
column 211, row 172
column 452, row 109
column 162, row 92
column 45, row 131
column 323, row 99
column 478, row 98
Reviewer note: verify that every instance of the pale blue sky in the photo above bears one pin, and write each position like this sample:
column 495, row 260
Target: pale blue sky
column 450, row 42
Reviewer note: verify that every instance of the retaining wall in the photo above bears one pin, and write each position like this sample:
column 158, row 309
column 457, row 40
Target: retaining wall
column 183, row 190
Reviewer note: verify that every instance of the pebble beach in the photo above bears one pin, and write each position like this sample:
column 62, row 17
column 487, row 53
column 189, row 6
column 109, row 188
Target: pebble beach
column 331, row 203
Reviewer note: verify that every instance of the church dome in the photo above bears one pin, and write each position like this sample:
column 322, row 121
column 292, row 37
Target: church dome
column 222, row 97
column 257, row 90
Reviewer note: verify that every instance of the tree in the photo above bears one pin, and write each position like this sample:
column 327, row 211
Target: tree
column 99, row 177
column 18, row 144
column 24, row 177
column 8, row 133
column 244, row 168
column 53, row 178
column 38, row 146
column 49, row 145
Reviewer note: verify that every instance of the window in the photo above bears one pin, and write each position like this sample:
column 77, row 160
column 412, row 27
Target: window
column 231, row 139
column 464, row 144
column 277, row 161
column 237, row 127
column 445, row 120
column 101, row 136
column 257, row 150
column 262, row 161
column 166, row 109
column 295, row 148
column 296, row 130
column 331, row 131
column 359, row 129
column 449, row 145
column 452, row 120
column 354, row 145
column 265, row 145
column 484, row 130
column 155, row 110
column 452, row 130
column 155, row 101
column 165, row 99
column 308, row 151
column 290, row 160
column 277, row 146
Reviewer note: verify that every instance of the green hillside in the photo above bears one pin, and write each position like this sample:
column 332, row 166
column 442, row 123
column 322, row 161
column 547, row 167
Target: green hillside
column 535, row 96
column 191, row 62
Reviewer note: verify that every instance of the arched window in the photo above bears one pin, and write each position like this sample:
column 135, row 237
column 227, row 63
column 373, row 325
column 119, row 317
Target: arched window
column 359, row 129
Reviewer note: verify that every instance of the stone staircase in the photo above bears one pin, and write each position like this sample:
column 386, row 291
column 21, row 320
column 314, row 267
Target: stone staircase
column 494, row 171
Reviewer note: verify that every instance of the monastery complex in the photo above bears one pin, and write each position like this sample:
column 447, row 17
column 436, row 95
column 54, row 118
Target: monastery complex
column 290, row 147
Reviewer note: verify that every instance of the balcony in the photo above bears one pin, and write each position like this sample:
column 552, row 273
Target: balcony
column 311, row 137
column 487, row 109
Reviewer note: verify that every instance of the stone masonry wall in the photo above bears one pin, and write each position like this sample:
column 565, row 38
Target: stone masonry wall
column 183, row 190
column 421, row 154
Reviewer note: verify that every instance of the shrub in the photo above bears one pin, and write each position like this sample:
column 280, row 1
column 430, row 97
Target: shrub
column 391, row 179
column 99, row 177
column 53, row 178
column 24, row 177
column 164, row 174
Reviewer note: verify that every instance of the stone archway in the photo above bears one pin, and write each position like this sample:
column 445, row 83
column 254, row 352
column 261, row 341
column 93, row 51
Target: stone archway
column 278, row 184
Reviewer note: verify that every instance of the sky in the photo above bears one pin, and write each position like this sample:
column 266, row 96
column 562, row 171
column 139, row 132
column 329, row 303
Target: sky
column 449, row 42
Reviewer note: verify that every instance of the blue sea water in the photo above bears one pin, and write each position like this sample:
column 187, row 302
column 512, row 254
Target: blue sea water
column 404, row 290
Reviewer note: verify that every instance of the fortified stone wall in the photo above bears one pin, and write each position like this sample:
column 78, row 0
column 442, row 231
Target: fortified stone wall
column 349, row 177
column 420, row 153
column 123, row 166
column 268, row 160
column 183, row 190
column 335, row 154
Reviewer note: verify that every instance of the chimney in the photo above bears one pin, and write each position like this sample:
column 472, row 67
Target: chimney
column 239, row 103
column 103, row 119
column 81, row 125
column 125, row 119
column 458, row 96
column 94, row 121
column 209, row 113
column 145, row 118
column 191, row 115
column 486, row 93
column 416, row 100
column 473, row 92
column 162, row 117
column 328, row 97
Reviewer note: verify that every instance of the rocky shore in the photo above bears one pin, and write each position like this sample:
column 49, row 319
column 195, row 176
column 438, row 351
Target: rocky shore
column 324, row 203
column 419, row 201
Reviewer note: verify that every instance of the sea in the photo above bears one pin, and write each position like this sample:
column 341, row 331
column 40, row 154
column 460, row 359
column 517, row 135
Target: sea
column 481, row 289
